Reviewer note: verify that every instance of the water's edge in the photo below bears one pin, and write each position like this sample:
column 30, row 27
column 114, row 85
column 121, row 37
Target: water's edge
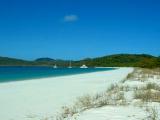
column 9, row 74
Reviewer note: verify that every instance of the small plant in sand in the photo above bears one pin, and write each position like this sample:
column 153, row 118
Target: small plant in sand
column 152, row 113
column 153, row 86
column 147, row 95
column 116, row 88
column 132, row 75
column 143, row 74
column 84, row 102
column 113, row 87
column 66, row 112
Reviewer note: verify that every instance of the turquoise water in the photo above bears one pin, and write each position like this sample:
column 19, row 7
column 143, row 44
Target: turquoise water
column 8, row 74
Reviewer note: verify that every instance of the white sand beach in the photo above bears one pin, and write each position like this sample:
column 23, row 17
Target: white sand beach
column 135, row 98
column 113, row 113
column 23, row 100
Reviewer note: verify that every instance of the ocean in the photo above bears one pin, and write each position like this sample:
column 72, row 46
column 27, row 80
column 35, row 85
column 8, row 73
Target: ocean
column 8, row 74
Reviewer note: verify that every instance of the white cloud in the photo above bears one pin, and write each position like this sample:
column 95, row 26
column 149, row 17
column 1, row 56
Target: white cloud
column 70, row 18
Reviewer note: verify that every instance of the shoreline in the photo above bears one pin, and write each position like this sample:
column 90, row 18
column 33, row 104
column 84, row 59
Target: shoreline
column 62, row 76
column 44, row 97
column 54, row 76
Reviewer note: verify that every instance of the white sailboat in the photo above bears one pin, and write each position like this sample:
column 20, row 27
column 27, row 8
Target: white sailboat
column 70, row 65
column 83, row 66
column 55, row 66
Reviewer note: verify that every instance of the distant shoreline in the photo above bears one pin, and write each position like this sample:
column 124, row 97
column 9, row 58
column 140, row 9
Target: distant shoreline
column 115, row 60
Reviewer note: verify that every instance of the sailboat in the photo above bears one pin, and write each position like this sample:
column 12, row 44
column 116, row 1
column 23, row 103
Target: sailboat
column 55, row 66
column 70, row 65
column 83, row 66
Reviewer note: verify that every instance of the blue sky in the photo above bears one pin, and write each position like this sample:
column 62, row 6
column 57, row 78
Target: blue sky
column 76, row 29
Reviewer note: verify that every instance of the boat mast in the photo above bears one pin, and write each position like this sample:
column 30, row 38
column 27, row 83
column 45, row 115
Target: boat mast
column 70, row 64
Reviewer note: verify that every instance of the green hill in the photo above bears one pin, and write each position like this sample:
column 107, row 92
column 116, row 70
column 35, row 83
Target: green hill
column 117, row 60
column 124, row 60
column 51, row 62
column 5, row 61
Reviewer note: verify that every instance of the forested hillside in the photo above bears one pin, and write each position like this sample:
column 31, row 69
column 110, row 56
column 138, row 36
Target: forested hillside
column 118, row 60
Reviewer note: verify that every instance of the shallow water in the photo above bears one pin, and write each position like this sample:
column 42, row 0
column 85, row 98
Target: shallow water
column 8, row 74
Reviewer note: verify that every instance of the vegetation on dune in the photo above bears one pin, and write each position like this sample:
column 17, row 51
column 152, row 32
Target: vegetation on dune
column 113, row 96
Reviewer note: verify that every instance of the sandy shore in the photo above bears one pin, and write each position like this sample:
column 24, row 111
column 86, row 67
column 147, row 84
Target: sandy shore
column 24, row 100
column 136, row 98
